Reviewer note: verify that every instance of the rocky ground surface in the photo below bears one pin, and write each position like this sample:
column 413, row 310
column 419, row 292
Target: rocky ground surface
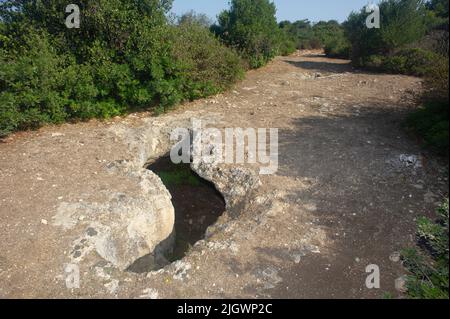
column 349, row 188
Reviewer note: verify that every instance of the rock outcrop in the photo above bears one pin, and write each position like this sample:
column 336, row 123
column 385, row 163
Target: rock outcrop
column 125, row 228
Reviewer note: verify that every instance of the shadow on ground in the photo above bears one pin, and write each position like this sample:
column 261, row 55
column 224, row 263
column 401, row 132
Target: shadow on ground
column 366, row 205
column 323, row 66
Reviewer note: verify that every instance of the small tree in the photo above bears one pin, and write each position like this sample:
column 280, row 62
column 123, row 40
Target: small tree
column 251, row 27
column 192, row 17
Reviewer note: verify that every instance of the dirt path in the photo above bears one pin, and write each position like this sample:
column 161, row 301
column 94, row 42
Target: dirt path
column 341, row 200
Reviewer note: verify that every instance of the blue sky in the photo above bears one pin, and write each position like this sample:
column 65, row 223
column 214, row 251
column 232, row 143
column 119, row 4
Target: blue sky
column 314, row 10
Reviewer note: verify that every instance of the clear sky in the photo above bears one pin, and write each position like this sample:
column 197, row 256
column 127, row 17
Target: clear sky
column 314, row 10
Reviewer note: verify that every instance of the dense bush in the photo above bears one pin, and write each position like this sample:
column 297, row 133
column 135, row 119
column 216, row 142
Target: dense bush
column 431, row 121
column 287, row 44
column 192, row 17
column 429, row 268
column 328, row 31
column 125, row 56
column 412, row 61
column 205, row 66
column 339, row 47
column 251, row 27
column 439, row 10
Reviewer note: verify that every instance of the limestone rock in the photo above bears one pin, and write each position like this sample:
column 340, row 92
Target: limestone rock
column 125, row 228
column 401, row 284
column 234, row 183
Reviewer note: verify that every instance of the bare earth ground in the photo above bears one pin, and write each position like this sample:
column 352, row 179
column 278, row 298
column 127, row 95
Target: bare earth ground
column 340, row 201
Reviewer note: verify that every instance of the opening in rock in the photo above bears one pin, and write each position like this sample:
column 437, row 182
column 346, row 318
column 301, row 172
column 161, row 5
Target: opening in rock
column 197, row 205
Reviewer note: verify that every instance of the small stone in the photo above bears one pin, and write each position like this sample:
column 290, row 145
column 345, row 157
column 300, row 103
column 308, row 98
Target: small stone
column 395, row 257
column 400, row 284
column 91, row 232
column 44, row 222
column 149, row 293
column 297, row 259
column 112, row 286
column 57, row 134
column 358, row 259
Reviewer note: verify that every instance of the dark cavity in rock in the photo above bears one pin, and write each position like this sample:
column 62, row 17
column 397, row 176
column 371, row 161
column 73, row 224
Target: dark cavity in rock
column 197, row 204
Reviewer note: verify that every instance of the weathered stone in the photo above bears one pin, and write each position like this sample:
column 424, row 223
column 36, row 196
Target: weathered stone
column 400, row 284
column 125, row 228
column 234, row 183
column 395, row 257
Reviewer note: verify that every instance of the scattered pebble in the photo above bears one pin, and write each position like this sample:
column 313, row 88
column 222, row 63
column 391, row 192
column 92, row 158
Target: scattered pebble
column 57, row 134
column 297, row 258
column 112, row 286
column 149, row 293
column 400, row 284
column 395, row 257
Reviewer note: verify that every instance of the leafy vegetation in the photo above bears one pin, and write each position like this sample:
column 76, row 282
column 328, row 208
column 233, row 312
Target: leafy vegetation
column 126, row 56
column 429, row 268
column 180, row 174
column 403, row 22
column 251, row 27
column 410, row 61
column 431, row 121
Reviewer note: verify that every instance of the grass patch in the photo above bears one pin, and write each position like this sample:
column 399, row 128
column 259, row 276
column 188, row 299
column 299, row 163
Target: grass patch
column 180, row 175
column 429, row 267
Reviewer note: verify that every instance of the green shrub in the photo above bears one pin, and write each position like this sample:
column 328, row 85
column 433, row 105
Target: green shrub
column 436, row 81
column 429, row 269
column 338, row 48
column 287, row 43
column 207, row 66
column 326, row 32
column 372, row 62
column 403, row 22
column 251, row 27
column 413, row 61
column 395, row 64
column 32, row 84
column 431, row 121
column 126, row 56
